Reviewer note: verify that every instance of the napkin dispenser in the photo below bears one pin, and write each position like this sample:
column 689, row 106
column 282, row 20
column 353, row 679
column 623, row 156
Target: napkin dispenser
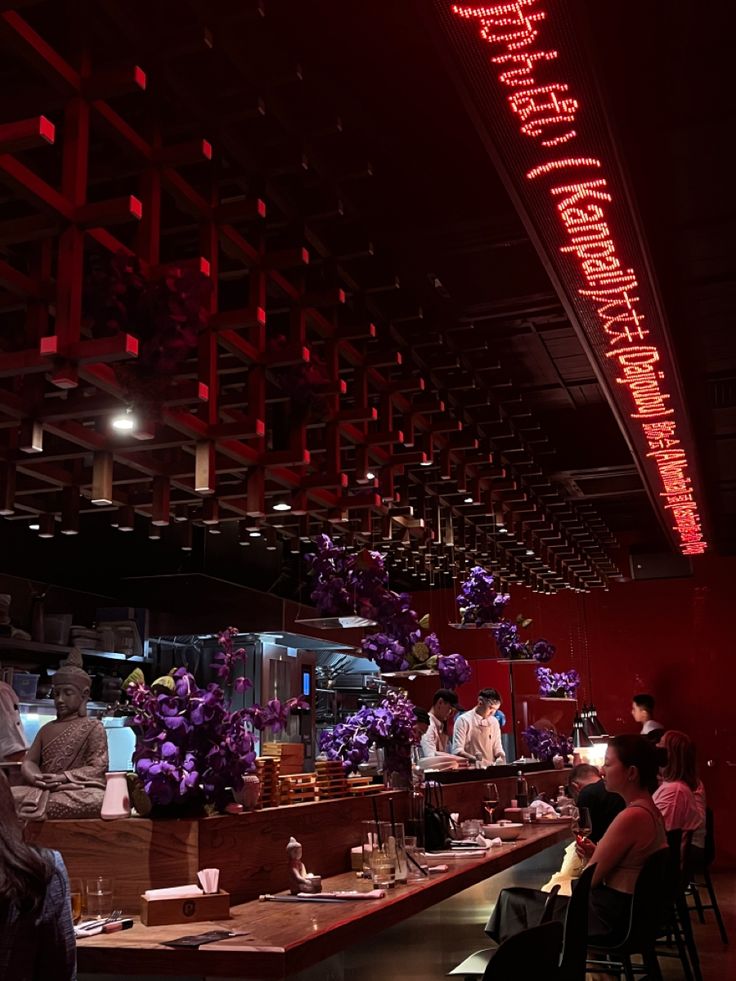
column 186, row 904
column 185, row 909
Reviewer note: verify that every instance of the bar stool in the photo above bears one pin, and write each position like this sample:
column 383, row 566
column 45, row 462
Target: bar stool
column 702, row 859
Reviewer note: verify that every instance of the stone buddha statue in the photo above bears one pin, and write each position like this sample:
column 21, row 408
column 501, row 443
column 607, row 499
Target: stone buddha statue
column 64, row 771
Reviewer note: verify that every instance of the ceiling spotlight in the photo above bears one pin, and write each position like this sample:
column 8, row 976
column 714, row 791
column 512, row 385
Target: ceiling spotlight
column 426, row 463
column 501, row 530
column 282, row 506
column 529, row 551
column 369, row 475
column 124, row 422
column 468, row 500
column 35, row 526
column 254, row 534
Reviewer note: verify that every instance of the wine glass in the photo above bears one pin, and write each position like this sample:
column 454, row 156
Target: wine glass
column 582, row 824
column 490, row 800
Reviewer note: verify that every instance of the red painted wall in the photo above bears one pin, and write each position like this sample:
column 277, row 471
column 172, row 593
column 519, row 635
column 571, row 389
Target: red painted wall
column 673, row 638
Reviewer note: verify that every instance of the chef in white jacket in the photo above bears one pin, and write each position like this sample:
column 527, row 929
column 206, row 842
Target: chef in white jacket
column 477, row 732
column 435, row 739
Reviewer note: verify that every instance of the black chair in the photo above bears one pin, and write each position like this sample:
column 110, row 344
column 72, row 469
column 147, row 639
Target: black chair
column 678, row 924
column 650, row 907
column 702, row 859
column 532, row 953
column 476, row 964
column 575, row 938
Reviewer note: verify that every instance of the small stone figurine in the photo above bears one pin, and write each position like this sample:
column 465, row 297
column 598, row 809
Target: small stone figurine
column 301, row 880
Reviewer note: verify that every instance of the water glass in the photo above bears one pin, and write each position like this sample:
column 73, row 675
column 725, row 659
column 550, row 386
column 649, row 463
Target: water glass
column 373, row 836
column 413, row 874
column 99, row 897
column 396, row 850
column 383, row 868
column 471, row 829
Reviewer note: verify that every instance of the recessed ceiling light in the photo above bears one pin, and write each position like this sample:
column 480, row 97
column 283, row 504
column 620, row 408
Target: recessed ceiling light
column 35, row 526
column 369, row 475
column 530, row 551
column 501, row 530
column 254, row 534
column 468, row 500
column 282, row 506
column 426, row 463
column 124, row 422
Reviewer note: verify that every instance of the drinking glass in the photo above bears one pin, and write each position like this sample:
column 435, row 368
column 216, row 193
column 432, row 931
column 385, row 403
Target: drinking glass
column 395, row 848
column 490, row 801
column 76, row 893
column 470, row 829
column 582, row 824
column 383, row 868
column 413, row 874
column 99, row 897
column 373, row 836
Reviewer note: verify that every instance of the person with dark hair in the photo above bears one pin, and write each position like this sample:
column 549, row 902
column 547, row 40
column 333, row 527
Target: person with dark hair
column 587, row 789
column 36, row 931
column 421, row 722
column 681, row 796
column 477, row 734
column 642, row 709
column 435, row 740
column 634, row 834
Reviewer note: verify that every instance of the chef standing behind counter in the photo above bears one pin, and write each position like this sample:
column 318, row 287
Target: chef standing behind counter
column 477, row 732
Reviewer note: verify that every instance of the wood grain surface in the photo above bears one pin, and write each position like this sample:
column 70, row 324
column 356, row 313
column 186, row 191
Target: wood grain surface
column 282, row 938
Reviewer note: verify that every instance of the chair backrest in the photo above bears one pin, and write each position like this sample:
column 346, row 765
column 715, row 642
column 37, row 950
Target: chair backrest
column 532, row 950
column 575, row 941
column 549, row 907
column 709, row 852
column 653, row 897
column 680, row 846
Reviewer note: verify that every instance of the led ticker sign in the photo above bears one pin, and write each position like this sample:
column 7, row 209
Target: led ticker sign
column 620, row 318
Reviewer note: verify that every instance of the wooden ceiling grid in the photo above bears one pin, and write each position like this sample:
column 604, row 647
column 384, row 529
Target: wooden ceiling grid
column 458, row 457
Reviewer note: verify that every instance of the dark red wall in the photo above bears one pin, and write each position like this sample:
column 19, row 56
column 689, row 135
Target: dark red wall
column 673, row 638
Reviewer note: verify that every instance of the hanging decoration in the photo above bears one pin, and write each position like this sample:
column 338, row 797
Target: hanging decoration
column 557, row 684
column 357, row 584
column 480, row 602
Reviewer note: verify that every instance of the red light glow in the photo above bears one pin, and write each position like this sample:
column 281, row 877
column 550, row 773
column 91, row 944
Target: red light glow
column 548, row 112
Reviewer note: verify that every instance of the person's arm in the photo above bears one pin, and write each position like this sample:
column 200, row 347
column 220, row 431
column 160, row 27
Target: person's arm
column 460, row 738
column 497, row 752
column 56, row 955
column 626, row 830
column 428, row 742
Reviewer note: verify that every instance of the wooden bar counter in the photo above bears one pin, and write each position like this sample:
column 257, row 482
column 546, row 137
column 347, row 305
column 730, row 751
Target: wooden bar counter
column 285, row 938
column 249, row 848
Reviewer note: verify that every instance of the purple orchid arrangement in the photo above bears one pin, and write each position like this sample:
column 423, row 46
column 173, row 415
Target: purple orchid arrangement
column 557, row 684
column 479, row 601
column 388, row 726
column 454, row 671
column 544, row 744
column 346, row 583
column 512, row 646
column 191, row 746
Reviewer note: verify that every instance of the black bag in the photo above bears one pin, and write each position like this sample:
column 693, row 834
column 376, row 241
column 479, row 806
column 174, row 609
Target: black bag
column 437, row 820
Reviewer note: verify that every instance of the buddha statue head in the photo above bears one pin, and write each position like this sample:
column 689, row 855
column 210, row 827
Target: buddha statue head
column 71, row 688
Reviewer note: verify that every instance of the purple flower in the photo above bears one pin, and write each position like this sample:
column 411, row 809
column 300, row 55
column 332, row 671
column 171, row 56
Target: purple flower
column 543, row 651
column 389, row 726
column 561, row 684
column 479, row 601
column 544, row 743
column 454, row 671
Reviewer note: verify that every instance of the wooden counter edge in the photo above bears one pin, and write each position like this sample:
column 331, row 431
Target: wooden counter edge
column 237, row 957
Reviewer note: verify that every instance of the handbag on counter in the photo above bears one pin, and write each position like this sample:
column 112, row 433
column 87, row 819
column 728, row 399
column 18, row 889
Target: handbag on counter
column 437, row 820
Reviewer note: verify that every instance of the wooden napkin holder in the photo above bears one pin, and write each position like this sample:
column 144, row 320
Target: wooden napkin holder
column 188, row 909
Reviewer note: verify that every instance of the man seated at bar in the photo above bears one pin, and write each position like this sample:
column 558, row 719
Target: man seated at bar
column 477, row 734
column 588, row 790
column 642, row 709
